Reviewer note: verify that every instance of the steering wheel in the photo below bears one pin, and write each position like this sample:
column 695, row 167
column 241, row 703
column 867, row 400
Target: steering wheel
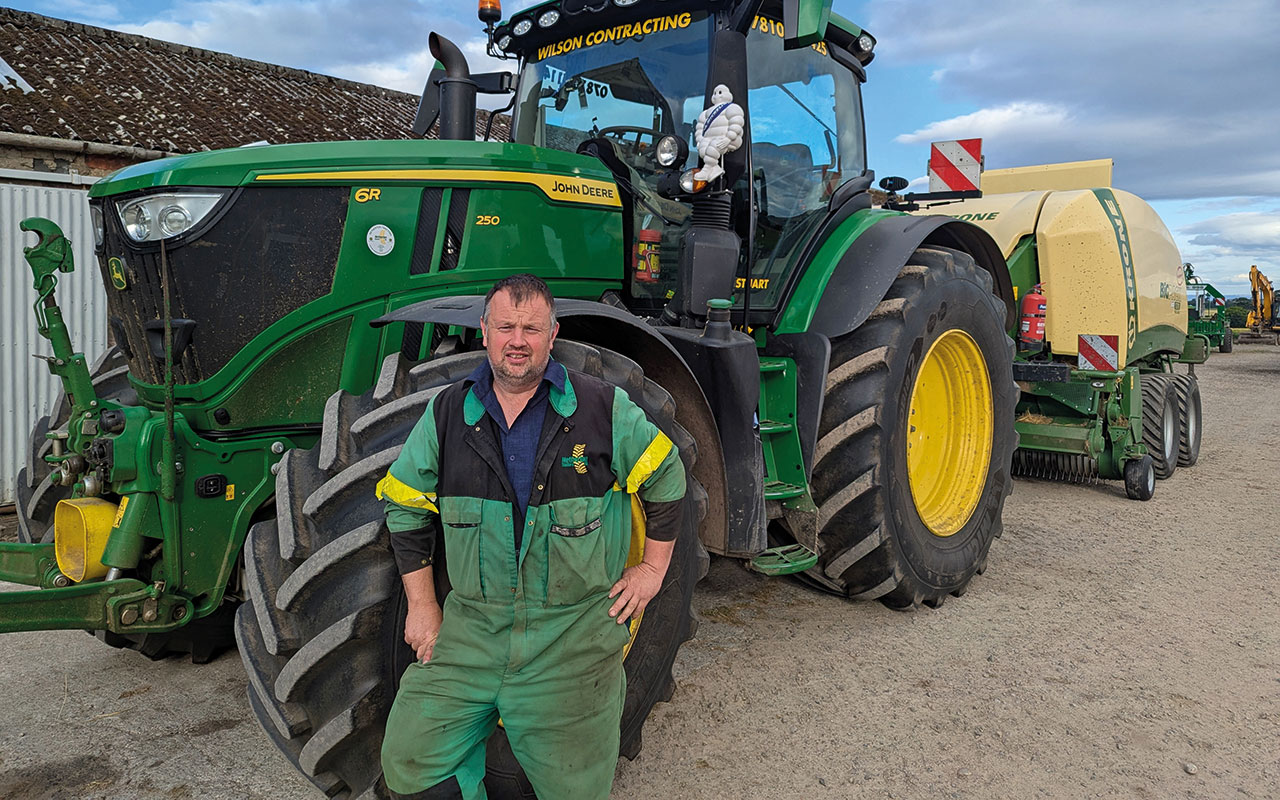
column 637, row 145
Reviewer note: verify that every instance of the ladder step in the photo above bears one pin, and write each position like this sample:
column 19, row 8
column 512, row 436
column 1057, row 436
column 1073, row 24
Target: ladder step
column 777, row 490
column 785, row 560
column 773, row 365
column 773, row 426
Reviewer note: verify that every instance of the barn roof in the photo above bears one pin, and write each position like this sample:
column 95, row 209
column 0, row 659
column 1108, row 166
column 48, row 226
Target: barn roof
column 65, row 80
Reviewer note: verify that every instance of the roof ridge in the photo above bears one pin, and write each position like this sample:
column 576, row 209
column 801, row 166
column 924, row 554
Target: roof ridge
column 28, row 18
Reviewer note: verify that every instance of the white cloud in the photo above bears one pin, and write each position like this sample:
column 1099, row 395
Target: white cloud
column 1245, row 230
column 1018, row 119
column 1222, row 247
column 380, row 41
column 1179, row 99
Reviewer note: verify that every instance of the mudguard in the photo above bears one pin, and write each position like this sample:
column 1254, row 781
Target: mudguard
column 624, row 333
column 871, row 262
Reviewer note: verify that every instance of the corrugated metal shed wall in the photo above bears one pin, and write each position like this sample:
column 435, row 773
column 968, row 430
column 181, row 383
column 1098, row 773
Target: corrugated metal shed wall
column 27, row 390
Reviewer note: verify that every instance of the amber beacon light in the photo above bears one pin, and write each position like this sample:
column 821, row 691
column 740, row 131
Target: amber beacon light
column 490, row 11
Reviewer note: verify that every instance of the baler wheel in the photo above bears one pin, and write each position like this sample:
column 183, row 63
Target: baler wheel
column 1187, row 391
column 323, row 638
column 912, row 465
column 1140, row 478
column 1161, row 424
column 1228, row 341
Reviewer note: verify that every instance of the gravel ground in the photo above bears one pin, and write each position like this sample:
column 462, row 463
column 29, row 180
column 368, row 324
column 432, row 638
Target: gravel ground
column 1112, row 649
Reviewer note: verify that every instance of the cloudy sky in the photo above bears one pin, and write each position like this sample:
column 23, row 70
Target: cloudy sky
column 1184, row 96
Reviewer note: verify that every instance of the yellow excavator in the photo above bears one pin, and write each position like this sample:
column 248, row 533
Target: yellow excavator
column 1263, row 322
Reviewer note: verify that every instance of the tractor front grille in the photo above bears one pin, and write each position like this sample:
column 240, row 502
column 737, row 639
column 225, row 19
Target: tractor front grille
column 272, row 251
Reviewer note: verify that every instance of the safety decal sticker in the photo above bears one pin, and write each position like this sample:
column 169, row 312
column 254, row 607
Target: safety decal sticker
column 380, row 240
column 1098, row 352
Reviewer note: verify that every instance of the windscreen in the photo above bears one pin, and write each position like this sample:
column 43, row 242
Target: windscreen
column 631, row 84
column 619, row 82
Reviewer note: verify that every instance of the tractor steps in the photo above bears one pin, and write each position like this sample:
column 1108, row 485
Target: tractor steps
column 785, row 560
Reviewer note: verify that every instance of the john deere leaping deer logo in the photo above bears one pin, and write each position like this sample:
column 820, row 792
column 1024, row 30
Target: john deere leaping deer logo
column 116, row 267
column 578, row 460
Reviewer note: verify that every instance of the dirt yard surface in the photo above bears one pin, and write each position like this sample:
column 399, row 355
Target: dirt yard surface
column 1112, row 649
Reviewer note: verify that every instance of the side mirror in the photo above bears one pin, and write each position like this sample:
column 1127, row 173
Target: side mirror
column 893, row 183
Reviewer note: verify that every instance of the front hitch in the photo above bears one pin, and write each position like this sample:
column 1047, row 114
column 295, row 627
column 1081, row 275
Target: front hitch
column 51, row 255
column 119, row 606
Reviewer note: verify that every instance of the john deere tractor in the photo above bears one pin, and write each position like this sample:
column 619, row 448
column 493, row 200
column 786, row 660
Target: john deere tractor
column 836, row 376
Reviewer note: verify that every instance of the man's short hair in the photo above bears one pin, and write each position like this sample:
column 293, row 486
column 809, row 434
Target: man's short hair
column 521, row 287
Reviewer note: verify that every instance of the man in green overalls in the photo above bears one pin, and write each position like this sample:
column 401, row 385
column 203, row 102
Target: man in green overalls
column 532, row 470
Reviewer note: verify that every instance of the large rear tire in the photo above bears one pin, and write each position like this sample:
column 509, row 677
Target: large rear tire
column 1160, row 423
column 912, row 465
column 323, row 638
column 37, row 496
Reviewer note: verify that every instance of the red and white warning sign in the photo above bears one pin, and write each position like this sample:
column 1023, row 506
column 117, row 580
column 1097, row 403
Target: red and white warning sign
column 955, row 166
column 1098, row 352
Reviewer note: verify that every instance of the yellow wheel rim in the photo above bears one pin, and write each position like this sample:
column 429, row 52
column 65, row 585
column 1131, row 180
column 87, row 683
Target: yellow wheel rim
column 949, row 433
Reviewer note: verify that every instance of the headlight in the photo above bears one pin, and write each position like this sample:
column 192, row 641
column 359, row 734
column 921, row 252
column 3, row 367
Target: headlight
column 504, row 42
column 161, row 216
column 548, row 19
column 95, row 215
column 668, row 151
column 689, row 184
column 625, row 3
column 866, row 44
column 522, row 27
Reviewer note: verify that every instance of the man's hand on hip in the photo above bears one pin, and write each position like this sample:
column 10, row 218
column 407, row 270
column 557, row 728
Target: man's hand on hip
column 422, row 621
column 422, row 626
column 640, row 584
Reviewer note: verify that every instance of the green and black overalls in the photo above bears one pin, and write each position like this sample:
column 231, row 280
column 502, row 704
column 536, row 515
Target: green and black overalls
column 526, row 634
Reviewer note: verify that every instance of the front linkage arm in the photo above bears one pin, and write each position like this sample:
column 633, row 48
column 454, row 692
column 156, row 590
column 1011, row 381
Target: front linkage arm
column 51, row 255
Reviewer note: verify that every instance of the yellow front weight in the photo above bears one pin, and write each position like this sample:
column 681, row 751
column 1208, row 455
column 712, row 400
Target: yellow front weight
column 80, row 531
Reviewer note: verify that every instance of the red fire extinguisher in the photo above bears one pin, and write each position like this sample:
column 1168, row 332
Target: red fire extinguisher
column 1031, row 326
column 647, row 265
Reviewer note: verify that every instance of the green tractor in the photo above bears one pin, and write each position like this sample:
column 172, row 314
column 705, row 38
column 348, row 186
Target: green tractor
column 1207, row 312
column 837, row 377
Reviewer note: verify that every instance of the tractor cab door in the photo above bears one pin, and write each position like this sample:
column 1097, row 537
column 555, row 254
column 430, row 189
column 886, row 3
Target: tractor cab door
column 805, row 112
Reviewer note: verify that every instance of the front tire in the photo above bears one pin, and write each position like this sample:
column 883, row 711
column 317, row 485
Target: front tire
column 912, row 465
column 323, row 638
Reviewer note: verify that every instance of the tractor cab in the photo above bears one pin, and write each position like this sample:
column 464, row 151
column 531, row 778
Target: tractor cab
column 627, row 82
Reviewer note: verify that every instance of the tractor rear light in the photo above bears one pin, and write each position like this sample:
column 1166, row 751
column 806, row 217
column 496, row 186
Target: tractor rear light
column 866, row 44
column 548, row 19
column 162, row 216
column 522, row 27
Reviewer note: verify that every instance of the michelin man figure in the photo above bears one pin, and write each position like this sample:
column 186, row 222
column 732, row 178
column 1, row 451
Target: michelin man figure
column 718, row 132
